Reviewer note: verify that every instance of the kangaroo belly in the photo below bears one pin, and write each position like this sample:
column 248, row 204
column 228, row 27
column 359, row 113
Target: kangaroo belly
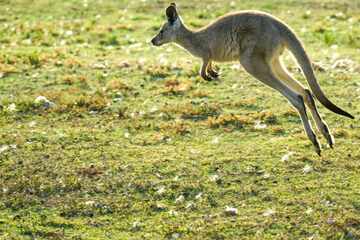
column 226, row 49
column 227, row 56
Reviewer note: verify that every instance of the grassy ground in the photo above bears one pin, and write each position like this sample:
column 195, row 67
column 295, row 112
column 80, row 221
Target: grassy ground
column 134, row 145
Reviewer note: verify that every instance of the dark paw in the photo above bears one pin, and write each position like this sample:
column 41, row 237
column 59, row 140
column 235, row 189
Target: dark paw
column 214, row 74
column 318, row 150
column 328, row 136
column 331, row 141
column 317, row 147
column 207, row 78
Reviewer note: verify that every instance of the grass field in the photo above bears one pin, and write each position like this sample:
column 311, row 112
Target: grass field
column 105, row 137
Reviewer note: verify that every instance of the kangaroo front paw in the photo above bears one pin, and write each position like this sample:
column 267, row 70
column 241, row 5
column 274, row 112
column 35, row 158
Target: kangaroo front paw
column 214, row 74
column 207, row 77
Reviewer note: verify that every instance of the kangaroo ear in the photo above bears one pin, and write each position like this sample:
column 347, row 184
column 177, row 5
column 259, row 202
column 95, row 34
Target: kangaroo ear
column 171, row 13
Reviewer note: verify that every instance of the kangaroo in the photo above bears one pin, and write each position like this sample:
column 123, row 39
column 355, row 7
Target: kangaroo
column 256, row 39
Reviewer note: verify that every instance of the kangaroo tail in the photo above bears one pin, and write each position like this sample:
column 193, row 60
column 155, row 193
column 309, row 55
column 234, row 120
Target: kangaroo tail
column 297, row 49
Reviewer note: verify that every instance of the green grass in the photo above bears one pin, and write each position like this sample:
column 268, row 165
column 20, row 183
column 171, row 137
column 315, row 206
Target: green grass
column 137, row 146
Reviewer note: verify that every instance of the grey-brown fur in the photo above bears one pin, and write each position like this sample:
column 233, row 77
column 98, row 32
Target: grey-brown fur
column 257, row 40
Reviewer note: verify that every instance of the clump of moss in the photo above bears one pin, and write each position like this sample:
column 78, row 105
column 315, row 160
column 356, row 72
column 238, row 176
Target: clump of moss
column 176, row 128
column 267, row 117
column 194, row 111
column 175, row 87
column 229, row 120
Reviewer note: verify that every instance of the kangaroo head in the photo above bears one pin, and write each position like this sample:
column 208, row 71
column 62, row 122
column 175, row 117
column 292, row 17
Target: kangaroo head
column 170, row 29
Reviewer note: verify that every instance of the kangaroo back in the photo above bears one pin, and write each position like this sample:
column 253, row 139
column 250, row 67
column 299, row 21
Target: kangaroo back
column 297, row 49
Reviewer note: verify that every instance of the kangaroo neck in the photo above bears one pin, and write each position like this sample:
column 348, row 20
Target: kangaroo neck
column 192, row 41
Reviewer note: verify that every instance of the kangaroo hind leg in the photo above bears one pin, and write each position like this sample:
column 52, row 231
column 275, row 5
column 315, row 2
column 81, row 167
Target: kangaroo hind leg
column 259, row 67
column 282, row 73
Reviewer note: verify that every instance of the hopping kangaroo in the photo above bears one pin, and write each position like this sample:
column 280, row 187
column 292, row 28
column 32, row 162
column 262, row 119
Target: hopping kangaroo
column 257, row 40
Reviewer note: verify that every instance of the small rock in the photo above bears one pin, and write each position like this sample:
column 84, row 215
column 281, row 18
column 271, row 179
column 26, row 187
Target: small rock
column 309, row 211
column 4, row 148
column 141, row 62
column 12, row 107
column 162, row 60
column 259, row 125
column 180, row 199
column 307, row 169
column 286, row 157
column 175, row 236
column 136, row 226
column 69, row 33
column 173, row 213
column 99, row 66
column 268, row 213
column 266, row 175
column 214, row 178
column 90, row 203
column 345, row 64
column 153, row 109
column 27, row 41
column 215, row 140
column 326, row 203
column 198, row 196
column 230, row 211
column 32, row 124
column 159, row 207
column 189, row 205
column 330, row 221
column 194, row 151
column 124, row 64
column 235, row 66
column 161, row 190
column 41, row 100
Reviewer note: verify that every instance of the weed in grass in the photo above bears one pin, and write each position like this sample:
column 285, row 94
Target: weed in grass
column 34, row 60
column 177, row 128
column 200, row 94
column 175, row 87
column 229, row 120
column 192, row 110
column 267, row 117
